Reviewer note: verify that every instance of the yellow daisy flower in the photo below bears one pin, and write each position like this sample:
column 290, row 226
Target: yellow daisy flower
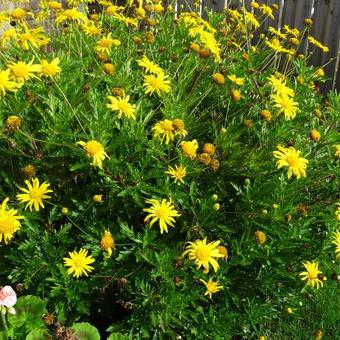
column 91, row 29
column 164, row 129
column 32, row 37
column 106, row 43
column 286, row 105
column 290, row 157
column 178, row 173
column 189, row 148
column 71, row 14
column 212, row 287
column 95, row 150
column 22, row 71
column 156, row 83
column 49, row 69
column 9, row 222
column 79, row 263
column 312, row 274
column 336, row 241
column 149, row 66
column 161, row 211
column 122, row 105
column 203, row 254
column 235, row 80
column 107, row 243
column 34, row 194
column 5, row 83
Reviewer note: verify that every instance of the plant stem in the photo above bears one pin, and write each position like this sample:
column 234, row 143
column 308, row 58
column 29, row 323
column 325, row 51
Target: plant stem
column 4, row 321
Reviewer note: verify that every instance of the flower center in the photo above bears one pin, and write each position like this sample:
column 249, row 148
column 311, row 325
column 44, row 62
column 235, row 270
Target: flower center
column 6, row 224
column 105, row 43
column 34, row 194
column 153, row 82
column 93, row 147
column 292, row 161
column 161, row 212
column 202, row 254
column 20, row 71
column 79, row 263
column 167, row 125
column 123, row 106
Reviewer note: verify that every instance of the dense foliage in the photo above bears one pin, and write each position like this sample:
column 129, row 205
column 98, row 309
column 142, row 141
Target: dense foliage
column 127, row 134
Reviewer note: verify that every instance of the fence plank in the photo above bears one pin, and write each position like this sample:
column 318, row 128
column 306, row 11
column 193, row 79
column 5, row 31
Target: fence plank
column 289, row 12
column 303, row 11
column 321, row 10
column 331, row 39
column 185, row 6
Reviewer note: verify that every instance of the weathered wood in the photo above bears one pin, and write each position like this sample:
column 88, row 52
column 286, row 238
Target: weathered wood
column 303, row 11
column 289, row 12
column 331, row 40
column 321, row 10
column 185, row 6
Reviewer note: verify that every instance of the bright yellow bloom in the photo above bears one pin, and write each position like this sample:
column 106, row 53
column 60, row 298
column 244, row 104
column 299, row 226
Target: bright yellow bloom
column 49, row 69
column 204, row 253
column 286, row 105
column 218, row 78
column 212, row 287
column 313, row 275
column 336, row 241
column 236, row 80
column 106, row 43
column 336, row 147
column 224, row 251
column 261, row 237
column 9, row 222
column 71, row 14
column 266, row 10
column 95, row 150
column 97, row 198
column 122, row 105
column 156, row 83
column 162, row 211
column 178, row 173
column 318, row 44
column 55, row 5
column 279, row 86
column 5, row 83
column 209, row 149
column 189, row 149
column 149, row 66
column 13, row 123
column 34, row 194
column 266, row 115
column 179, row 127
column 22, row 71
column 278, row 33
column 34, row 37
column 290, row 157
column 315, row 135
column 79, row 263
column 107, row 243
column 91, row 29
column 164, row 129
column 19, row 14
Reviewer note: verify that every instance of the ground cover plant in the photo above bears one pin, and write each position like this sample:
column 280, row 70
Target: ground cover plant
column 163, row 176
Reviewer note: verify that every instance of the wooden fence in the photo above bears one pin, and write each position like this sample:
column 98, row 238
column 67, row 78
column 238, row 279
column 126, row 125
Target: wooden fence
column 326, row 26
column 324, row 13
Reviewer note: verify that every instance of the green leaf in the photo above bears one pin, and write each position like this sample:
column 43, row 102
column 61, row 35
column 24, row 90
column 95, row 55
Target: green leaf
column 118, row 336
column 37, row 334
column 84, row 330
column 29, row 310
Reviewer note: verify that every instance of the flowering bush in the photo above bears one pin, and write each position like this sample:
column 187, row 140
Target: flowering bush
column 164, row 176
